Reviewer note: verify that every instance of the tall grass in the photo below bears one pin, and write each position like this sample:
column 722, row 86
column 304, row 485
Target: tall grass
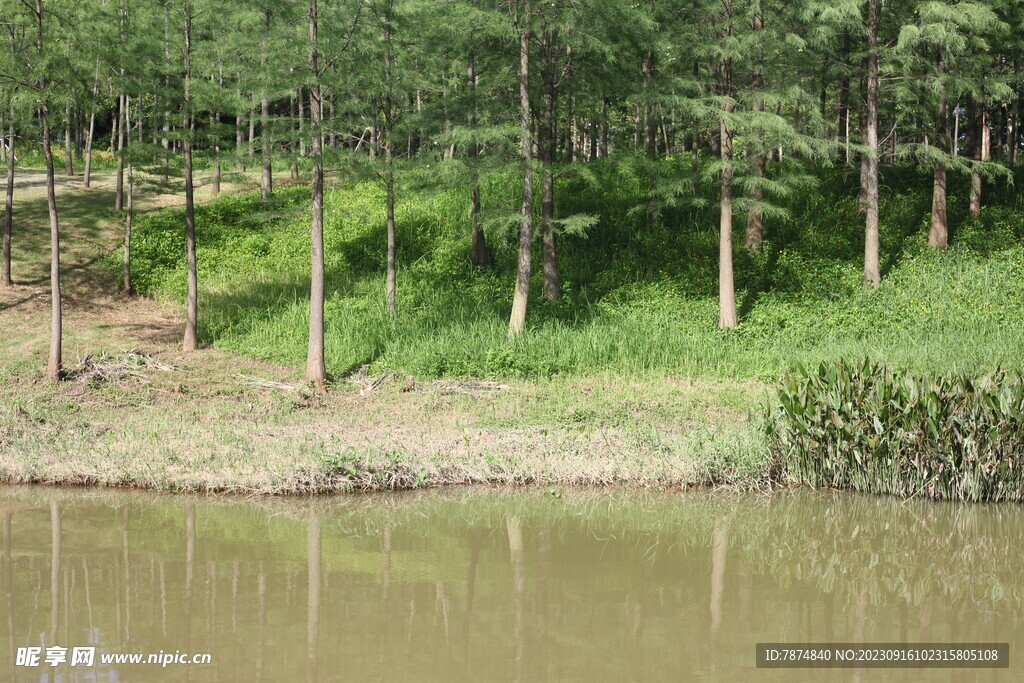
column 636, row 300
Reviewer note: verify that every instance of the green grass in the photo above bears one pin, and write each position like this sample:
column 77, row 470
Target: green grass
column 637, row 301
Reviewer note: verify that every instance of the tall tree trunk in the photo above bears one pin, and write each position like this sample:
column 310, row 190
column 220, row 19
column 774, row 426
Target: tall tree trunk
column 755, row 218
column 191, row 341
column 302, row 122
column 333, row 134
column 78, row 133
column 552, row 288
column 726, row 286
column 872, row 274
column 316, row 371
column 87, row 174
column 602, row 150
column 389, row 167
column 215, row 186
column 862, row 196
column 126, row 285
column 650, row 141
column 119, row 183
column 54, row 366
column 251, row 151
column 843, row 108
column 1015, row 138
column 939, row 229
column 479, row 255
column 165, row 141
column 69, row 169
column 517, row 319
column 5, row 263
column 138, row 121
column 266, row 174
column 292, row 142
column 983, row 152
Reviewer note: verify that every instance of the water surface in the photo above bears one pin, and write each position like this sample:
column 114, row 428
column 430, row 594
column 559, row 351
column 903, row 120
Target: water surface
column 498, row 585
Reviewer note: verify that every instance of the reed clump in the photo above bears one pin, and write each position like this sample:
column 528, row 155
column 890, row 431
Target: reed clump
column 865, row 427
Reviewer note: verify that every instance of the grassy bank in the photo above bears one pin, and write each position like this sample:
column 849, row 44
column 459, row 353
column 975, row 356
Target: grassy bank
column 201, row 426
column 626, row 381
column 637, row 301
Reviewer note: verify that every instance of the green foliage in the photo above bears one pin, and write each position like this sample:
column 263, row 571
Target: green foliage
column 868, row 428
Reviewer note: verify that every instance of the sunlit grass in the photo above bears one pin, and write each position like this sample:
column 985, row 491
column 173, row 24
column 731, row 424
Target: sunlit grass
column 636, row 301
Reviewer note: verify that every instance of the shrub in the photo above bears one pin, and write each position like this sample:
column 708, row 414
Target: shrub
column 868, row 428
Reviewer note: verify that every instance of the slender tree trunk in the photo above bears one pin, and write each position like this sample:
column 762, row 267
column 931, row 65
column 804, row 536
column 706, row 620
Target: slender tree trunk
column 302, row 122
column 389, row 167
column 517, row 319
column 603, row 144
column 862, row 196
column 119, row 186
column 939, row 228
column 332, row 140
column 5, row 264
column 126, row 286
column 843, row 98
column 292, row 143
column 165, row 141
column 479, row 255
column 87, row 174
column 755, row 218
column 726, row 286
column 138, row 120
column 983, row 154
column 78, row 133
column 727, row 317
column 872, row 274
column 54, row 366
column 1015, row 137
column 191, row 341
column 267, row 174
column 316, row 371
column 69, row 169
column 251, row 151
column 552, row 288
column 650, row 142
column 215, row 186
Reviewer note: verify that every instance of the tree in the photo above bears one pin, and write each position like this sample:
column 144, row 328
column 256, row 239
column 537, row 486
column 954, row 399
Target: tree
column 517, row 319
column 938, row 49
column 5, row 258
column 872, row 274
column 316, row 371
column 191, row 341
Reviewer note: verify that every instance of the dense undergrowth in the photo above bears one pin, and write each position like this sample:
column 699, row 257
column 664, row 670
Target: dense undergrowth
column 636, row 300
column 867, row 428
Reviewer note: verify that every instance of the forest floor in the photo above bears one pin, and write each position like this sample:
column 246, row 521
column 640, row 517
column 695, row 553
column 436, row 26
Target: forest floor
column 136, row 411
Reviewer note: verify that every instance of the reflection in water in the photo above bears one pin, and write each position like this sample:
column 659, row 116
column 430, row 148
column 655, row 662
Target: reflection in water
column 8, row 576
column 605, row 585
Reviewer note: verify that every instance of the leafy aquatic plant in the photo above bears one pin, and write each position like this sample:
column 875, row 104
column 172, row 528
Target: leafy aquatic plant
column 868, row 428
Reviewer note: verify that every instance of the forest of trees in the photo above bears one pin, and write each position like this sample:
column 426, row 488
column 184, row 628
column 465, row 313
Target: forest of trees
column 753, row 93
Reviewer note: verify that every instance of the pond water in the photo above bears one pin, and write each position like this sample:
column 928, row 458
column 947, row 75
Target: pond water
column 496, row 584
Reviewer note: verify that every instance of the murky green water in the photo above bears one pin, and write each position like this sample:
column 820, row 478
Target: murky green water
column 497, row 585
